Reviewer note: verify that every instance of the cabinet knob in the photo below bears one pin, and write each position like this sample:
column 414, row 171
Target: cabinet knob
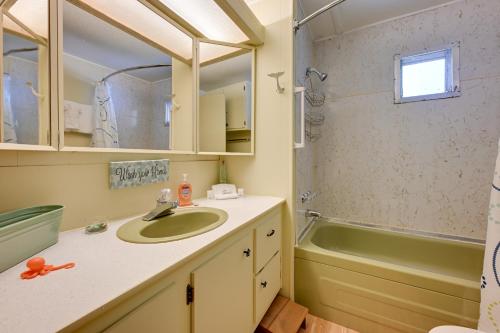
column 270, row 233
column 247, row 252
column 263, row 284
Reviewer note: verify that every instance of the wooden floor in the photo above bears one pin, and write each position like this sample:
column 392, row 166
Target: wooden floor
column 318, row 325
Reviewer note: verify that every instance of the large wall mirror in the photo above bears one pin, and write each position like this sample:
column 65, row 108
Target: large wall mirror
column 25, row 116
column 226, row 99
column 127, row 78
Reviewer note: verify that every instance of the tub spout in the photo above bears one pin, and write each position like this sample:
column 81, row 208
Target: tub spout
column 312, row 213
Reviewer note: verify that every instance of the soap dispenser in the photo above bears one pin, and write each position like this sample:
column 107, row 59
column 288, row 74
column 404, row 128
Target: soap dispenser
column 185, row 191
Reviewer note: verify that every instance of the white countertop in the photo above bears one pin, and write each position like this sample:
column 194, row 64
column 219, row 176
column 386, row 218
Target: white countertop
column 106, row 267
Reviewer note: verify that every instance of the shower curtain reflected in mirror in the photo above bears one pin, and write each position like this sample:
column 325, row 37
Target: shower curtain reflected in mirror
column 105, row 133
column 9, row 130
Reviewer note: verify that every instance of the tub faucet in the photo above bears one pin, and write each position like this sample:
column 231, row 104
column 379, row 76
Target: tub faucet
column 313, row 213
column 161, row 211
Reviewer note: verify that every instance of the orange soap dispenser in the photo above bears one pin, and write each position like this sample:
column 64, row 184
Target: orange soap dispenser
column 184, row 192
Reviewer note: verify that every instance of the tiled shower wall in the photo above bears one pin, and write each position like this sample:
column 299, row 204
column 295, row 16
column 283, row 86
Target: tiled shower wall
column 423, row 165
column 140, row 111
column 24, row 104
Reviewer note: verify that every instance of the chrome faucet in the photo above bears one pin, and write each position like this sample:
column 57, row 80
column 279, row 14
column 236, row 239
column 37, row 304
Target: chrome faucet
column 313, row 213
column 162, row 210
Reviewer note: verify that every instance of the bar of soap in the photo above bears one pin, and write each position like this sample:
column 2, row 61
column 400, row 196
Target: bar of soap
column 96, row 228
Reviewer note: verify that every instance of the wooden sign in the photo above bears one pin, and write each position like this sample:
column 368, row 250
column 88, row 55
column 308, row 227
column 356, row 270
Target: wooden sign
column 137, row 173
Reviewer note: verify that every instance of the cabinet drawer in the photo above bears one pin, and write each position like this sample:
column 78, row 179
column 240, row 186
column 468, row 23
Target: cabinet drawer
column 267, row 286
column 267, row 239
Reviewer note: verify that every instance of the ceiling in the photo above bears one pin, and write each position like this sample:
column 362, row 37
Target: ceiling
column 353, row 14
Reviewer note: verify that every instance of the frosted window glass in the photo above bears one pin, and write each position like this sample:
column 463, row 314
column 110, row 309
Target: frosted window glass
column 424, row 78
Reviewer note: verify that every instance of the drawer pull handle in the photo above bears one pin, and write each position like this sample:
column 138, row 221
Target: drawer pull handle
column 247, row 252
column 263, row 284
column 270, row 233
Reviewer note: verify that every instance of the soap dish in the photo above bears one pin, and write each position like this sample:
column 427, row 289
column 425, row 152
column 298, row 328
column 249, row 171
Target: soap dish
column 96, row 228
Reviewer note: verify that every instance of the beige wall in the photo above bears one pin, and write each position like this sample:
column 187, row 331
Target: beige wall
column 424, row 165
column 79, row 181
column 270, row 171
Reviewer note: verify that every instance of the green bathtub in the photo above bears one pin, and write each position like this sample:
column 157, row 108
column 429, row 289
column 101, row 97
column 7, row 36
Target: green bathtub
column 376, row 280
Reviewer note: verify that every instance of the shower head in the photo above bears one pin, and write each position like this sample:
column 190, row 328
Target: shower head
column 322, row 76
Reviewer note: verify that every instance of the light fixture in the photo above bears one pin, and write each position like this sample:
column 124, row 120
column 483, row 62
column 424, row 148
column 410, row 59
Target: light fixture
column 210, row 52
column 208, row 18
column 29, row 17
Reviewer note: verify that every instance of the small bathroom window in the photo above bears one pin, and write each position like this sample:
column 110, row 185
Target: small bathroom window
column 427, row 76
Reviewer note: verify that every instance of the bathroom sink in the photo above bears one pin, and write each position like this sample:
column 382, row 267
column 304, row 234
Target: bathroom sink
column 184, row 223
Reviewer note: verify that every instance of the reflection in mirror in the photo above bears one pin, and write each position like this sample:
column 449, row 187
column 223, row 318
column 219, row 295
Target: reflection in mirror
column 25, row 111
column 124, row 86
column 225, row 99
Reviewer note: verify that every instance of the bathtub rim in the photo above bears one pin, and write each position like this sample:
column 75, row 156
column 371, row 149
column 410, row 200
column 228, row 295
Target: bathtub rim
column 450, row 285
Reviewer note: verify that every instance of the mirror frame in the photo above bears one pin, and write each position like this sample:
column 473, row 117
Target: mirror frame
column 252, row 117
column 52, row 75
column 58, row 15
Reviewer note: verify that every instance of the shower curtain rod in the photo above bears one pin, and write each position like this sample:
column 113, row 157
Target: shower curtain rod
column 131, row 69
column 31, row 49
column 297, row 24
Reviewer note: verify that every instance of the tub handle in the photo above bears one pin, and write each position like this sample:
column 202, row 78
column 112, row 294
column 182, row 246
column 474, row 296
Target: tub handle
column 269, row 234
column 263, row 284
column 247, row 252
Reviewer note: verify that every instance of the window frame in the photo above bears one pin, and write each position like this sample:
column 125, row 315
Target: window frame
column 451, row 54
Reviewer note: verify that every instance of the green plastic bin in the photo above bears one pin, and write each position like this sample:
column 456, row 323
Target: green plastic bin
column 26, row 232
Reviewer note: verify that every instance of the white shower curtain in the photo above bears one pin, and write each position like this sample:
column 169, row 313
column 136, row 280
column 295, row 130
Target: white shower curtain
column 105, row 134
column 9, row 129
column 490, row 281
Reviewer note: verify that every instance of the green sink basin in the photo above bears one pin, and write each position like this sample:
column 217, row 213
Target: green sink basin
column 184, row 223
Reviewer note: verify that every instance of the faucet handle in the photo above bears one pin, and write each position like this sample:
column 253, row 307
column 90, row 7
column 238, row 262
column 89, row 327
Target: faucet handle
column 165, row 209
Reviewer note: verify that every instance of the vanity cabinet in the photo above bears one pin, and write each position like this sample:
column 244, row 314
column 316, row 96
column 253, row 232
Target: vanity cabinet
column 267, row 284
column 163, row 309
column 226, row 289
column 267, row 267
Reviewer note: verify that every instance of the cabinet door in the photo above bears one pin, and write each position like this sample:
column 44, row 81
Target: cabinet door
column 236, row 107
column 163, row 312
column 223, row 291
column 213, row 118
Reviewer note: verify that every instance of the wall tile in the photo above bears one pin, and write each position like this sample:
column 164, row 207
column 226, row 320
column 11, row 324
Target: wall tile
column 424, row 165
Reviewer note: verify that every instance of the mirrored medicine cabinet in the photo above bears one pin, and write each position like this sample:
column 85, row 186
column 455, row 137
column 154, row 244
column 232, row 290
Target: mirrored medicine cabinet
column 127, row 79
column 26, row 120
column 226, row 98
column 120, row 76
